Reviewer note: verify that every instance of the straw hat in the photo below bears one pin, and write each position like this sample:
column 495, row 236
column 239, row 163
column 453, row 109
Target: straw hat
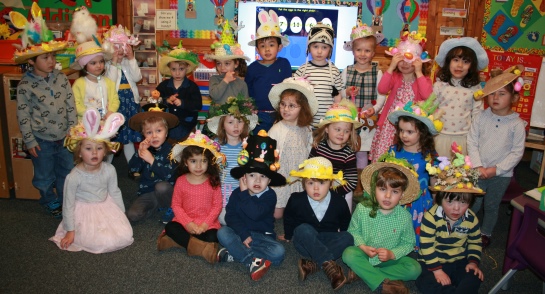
column 422, row 111
column 472, row 43
column 361, row 31
column 300, row 84
column 344, row 111
column 317, row 168
column 178, row 54
column 236, row 106
column 269, row 27
column 151, row 110
column 87, row 49
column 226, row 48
column 200, row 140
column 500, row 81
column 412, row 46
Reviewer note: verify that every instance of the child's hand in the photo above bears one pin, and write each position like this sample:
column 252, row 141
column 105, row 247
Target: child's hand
column 144, row 153
column 67, row 240
column 202, row 228
column 417, row 63
column 395, row 60
column 33, row 151
column 247, row 242
column 368, row 112
column 130, row 52
column 192, row 228
column 490, row 172
column 230, row 76
column 476, row 269
column 441, row 277
column 353, row 90
column 385, row 254
column 173, row 99
column 482, row 172
column 370, row 251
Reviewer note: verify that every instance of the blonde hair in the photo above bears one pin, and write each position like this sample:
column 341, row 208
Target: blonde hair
column 77, row 150
column 154, row 120
column 320, row 135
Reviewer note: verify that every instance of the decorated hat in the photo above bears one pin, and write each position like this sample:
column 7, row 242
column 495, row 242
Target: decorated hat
column 389, row 160
column 84, row 53
column 423, row 111
column 151, row 110
column 321, row 33
column 317, row 168
column 344, row 111
column 226, row 48
column 259, row 154
column 411, row 46
column 178, row 54
column 90, row 128
column 300, row 84
column 505, row 78
column 118, row 36
column 36, row 38
column 200, row 140
column 472, row 43
column 269, row 27
column 239, row 107
column 362, row 31
column 456, row 174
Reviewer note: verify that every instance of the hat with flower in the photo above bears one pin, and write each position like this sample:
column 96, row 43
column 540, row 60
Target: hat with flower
column 301, row 84
column 269, row 27
column 226, row 48
column 362, row 31
column 178, row 54
column 423, row 111
column 200, row 140
column 155, row 109
column 239, row 107
column 471, row 43
column 90, row 128
column 456, row 174
column 344, row 111
column 119, row 37
column 507, row 77
column 317, row 168
column 411, row 46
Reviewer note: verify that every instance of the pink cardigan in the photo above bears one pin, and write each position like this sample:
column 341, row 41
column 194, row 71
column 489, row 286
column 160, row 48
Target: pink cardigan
column 422, row 89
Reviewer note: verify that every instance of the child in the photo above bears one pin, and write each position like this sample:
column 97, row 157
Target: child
column 336, row 140
column 405, row 81
column 324, row 75
column 94, row 214
column 382, row 230
column 249, row 236
column 228, row 58
column 182, row 95
column 295, row 102
column 45, row 122
column 231, row 123
column 270, row 70
column 496, row 144
column 460, row 60
column 317, row 219
column 196, row 201
column 152, row 162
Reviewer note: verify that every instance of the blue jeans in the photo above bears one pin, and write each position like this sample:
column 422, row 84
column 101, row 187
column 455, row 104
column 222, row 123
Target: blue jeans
column 320, row 246
column 53, row 164
column 262, row 246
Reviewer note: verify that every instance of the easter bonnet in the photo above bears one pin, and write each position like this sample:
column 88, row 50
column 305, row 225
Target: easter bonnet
column 362, row 31
column 239, row 107
column 178, row 54
column 505, row 78
column 317, row 168
column 472, row 43
column 226, row 48
column 344, row 111
column 200, row 140
column 300, row 84
column 423, row 111
column 412, row 46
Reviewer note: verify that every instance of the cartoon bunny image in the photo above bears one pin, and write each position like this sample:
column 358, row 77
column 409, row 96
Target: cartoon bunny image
column 269, row 27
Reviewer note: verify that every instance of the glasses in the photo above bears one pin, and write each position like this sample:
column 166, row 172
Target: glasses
column 289, row 106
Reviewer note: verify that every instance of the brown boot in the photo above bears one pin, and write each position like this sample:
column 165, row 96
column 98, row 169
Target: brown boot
column 351, row 277
column 306, row 268
column 394, row 287
column 208, row 250
column 335, row 274
column 164, row 242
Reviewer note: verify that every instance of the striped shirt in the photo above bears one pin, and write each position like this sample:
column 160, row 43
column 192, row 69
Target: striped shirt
column 228, row 183
column 343, row 160
column 440, row 243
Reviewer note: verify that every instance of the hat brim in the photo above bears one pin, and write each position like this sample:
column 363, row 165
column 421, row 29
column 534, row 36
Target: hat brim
column 254, row 166
column 225, row 57
column 75, row 65
column 165, row 60
column 413, row 188
column 300, row 175
column 284, row 40
column 471, row 43
column 394, row 117
column 347, row 46
column 357, row 124
column 502, row 80
column 408, row 60
column 23, row 58
column 456, row 190
column 135, row 122
column 178, row 148
column 213, row 122
column 274, row 95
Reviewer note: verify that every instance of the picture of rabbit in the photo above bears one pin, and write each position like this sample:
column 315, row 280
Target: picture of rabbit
column 269, row 24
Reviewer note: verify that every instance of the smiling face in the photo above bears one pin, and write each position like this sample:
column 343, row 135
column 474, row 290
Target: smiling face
column 405, row 67
column 459, row 67
column 44, row 64
column 197, row 164
column 256, row 182
column 268, row 50
column 289, row 109
column 338, row 134
column 317, row 189
column 92, row 153
column 156, row 133
column 319, row 52
column 501, row 101
column 364, row 50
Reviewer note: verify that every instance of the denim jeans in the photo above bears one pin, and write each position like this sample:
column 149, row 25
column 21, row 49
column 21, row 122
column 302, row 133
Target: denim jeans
column 262, row 246
column 320, row 246
column 53, row 164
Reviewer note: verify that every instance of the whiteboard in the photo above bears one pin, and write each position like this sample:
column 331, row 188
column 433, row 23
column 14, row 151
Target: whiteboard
column 538, row 109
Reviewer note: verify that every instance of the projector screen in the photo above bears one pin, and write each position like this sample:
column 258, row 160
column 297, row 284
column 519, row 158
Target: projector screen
column 295, row 22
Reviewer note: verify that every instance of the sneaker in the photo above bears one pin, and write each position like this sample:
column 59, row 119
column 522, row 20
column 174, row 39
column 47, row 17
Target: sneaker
column 54, row 208
column 167, row 216
column 258, row 268
column 224, row 256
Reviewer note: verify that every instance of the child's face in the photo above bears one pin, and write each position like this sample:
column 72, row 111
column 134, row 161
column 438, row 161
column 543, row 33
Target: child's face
column 256, row 182
column 177, row 71
column 268, row 50
column 233, row 126
column 95, row 66
column 197, row 164
column 405, row 67
column 224, row 66
column 459, row 67
column 363, row 50
column 155, row 133
column 319, row 52
column 409, row 135
column 44, row 64
column 454, row 209
column 501, row 101
column 92, row 153
column 289, row 109
column 388, row 197
column 317, row 190
column 338, row 133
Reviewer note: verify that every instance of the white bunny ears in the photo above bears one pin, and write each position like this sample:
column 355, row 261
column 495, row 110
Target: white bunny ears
column 90, row 128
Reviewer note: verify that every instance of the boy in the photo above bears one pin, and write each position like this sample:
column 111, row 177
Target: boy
column 46, row 111
column 262, row 74
column 316, row 220
column 249, row 236
column 152, row 162
column 182, row 95
column 382, row 230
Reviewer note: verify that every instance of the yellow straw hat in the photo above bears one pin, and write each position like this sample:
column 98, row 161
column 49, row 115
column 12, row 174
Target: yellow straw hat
column 344, row 111
column 200, row 140
column 317, row 168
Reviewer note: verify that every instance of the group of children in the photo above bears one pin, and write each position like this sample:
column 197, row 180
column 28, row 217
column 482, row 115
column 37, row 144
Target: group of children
column 229, row 190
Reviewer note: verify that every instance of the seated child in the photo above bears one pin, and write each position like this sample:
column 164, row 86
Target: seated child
column 316, row 220
column 382, row 229
column 249, row 236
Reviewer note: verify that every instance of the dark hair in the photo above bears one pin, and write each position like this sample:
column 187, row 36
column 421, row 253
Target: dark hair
column 278, row 40
column 427, row 144
column 77, row 151
column 242, row 68
column 221, row 135
column 212, row 171
column 383, row 177
column 454, row 196
column 303, row 180
column 305, row 114
column 467, row 54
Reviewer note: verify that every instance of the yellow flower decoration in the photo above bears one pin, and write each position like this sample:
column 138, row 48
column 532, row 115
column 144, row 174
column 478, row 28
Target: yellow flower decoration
column 478, row 94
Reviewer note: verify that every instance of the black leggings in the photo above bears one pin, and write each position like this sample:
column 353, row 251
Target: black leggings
column 178, row 233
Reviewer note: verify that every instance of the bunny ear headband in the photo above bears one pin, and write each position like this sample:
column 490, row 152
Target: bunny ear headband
column 507, row 77
column 90, row 129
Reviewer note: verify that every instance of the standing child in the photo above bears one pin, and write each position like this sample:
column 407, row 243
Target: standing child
column 405, row 81
column 324, row 75
column 460, row 60
column 182, row 95
column 263, row 74
column 336, row 140
column 317, row 219
column 249, row 236
column 94, row 214
column 196, row 201
column 496, row 144
column 45, row 120
column 295, row 102
column 382, row 230
column 231, row 123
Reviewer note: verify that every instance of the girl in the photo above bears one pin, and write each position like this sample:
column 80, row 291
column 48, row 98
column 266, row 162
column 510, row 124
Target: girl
column 336, row 140
column 460, row 60
column 295, row 102
column 196, row 201
column 231, row 123
column 93, row 211
column 405, row 81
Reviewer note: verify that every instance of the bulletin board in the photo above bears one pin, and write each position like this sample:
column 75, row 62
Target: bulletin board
column 514, row 26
